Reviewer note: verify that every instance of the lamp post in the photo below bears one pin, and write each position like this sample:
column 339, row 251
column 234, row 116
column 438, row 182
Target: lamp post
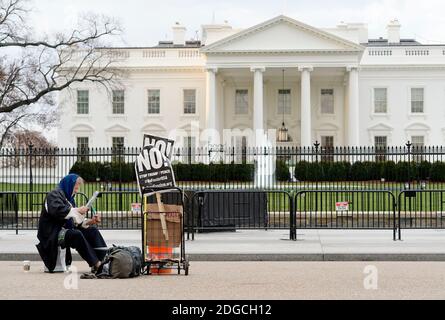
column 283, row 132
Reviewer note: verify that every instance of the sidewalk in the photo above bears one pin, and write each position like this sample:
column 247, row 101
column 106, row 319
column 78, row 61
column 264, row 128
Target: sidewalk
column 274, row 245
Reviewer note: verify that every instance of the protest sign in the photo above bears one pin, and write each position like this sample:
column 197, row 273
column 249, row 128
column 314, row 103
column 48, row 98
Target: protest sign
column 162, row 144
column 154, row 170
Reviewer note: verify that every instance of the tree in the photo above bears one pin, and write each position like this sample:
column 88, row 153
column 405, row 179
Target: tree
column 33, row 69
column 20, row 142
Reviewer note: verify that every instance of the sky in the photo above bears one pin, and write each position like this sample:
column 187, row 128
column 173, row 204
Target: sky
column 145, row 22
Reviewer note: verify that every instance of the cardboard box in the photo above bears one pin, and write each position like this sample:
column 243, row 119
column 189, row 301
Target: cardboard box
column 170, row 235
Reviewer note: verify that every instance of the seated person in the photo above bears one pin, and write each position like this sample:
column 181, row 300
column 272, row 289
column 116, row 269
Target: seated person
column 62, row 224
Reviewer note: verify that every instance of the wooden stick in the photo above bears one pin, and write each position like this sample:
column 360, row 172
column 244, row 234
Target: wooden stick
column 161, row 210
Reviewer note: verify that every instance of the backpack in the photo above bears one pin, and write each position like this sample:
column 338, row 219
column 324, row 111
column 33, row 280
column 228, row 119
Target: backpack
column 121, row 262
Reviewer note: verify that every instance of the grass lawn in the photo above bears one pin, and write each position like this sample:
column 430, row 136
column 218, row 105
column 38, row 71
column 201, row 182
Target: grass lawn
column 277, row 202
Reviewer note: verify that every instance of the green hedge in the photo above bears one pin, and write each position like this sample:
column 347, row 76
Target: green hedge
column 282, row 172
column 304, row 171
column 91, row 171
column 369, row 171
column 214, row 172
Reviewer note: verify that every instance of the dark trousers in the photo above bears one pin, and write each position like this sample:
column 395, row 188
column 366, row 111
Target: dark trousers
column 84, row 241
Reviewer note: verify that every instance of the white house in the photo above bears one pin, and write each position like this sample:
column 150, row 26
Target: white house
column 335, row 86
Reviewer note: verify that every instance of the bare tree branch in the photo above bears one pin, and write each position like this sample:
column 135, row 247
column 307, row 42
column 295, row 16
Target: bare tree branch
column 51, row 64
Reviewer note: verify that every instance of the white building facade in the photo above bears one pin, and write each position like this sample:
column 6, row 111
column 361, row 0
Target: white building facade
column 334, row 86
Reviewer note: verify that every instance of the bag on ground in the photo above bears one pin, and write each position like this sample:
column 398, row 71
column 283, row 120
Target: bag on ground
column 121, row 263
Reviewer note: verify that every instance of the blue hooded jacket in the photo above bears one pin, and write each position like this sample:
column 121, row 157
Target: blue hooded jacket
column 67, row 185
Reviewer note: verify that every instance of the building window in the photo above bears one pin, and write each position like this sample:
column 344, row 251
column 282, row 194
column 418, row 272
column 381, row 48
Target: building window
column 189, row 150
column 284, row 101
column 380, row 100
column 154, row 101
column 417, row 100
column 118, row 101
column 117, row 149
column 327, row 148
column 381, row 145
column 83, row 101
column 82, row 149
column 327, row 101
column 418, row 147
column 189, row 101
column 242, row 102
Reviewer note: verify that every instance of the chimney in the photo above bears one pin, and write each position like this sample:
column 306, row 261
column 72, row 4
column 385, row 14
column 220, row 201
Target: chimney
column 179, row 34
column 394, row 31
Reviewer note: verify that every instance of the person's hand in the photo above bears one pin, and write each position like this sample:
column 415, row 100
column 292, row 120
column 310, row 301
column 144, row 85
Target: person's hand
column 95, row 220
column 83, row 210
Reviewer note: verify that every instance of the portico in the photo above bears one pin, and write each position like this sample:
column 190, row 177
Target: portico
column 312, row 61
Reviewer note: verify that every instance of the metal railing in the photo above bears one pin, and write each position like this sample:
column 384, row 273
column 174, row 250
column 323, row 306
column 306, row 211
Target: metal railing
column 421, row 209
column 340, row 209
column 31, row 171
column 21, row 210
column 226, row 210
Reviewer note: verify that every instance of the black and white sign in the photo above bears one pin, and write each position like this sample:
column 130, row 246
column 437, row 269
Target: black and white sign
column 154, row 170
column 162, row 144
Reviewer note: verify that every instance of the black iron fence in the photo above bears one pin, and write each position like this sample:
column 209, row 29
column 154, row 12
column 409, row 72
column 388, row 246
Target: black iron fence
column 366, row 172
column 277, row 168
column 340, row 209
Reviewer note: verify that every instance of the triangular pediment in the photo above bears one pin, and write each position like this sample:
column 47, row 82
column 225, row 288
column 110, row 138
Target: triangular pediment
column 417, row 126
column 381, row 127
column 282, row 34
column 117, row 128
column 83, row 127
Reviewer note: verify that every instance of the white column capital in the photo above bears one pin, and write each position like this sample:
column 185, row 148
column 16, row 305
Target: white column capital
column 305, row 68
column 352, row 68
column 256, row 68
column 212, row 69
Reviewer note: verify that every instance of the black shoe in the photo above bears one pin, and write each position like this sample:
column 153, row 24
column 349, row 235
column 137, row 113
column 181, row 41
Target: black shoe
column 97, row 270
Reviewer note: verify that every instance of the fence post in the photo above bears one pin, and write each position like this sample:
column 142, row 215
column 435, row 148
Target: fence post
column 317, row 146
column 209, row 153
column 120, row 155
column 409, row 145
column 293, row 215
column 31, row 180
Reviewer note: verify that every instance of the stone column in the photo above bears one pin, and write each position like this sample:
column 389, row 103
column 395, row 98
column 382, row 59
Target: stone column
column 353, row 118
column 306, row 118
column 211, row 104
column 258, row 107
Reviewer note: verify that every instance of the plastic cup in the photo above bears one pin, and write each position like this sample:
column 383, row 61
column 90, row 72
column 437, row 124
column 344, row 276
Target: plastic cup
column 26, row 265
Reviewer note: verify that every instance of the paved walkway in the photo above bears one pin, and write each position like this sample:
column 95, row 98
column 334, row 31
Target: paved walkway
column 238, row 280
column 312, row 245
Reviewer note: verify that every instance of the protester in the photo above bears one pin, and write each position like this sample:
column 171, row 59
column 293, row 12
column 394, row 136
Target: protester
column 62, row 224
